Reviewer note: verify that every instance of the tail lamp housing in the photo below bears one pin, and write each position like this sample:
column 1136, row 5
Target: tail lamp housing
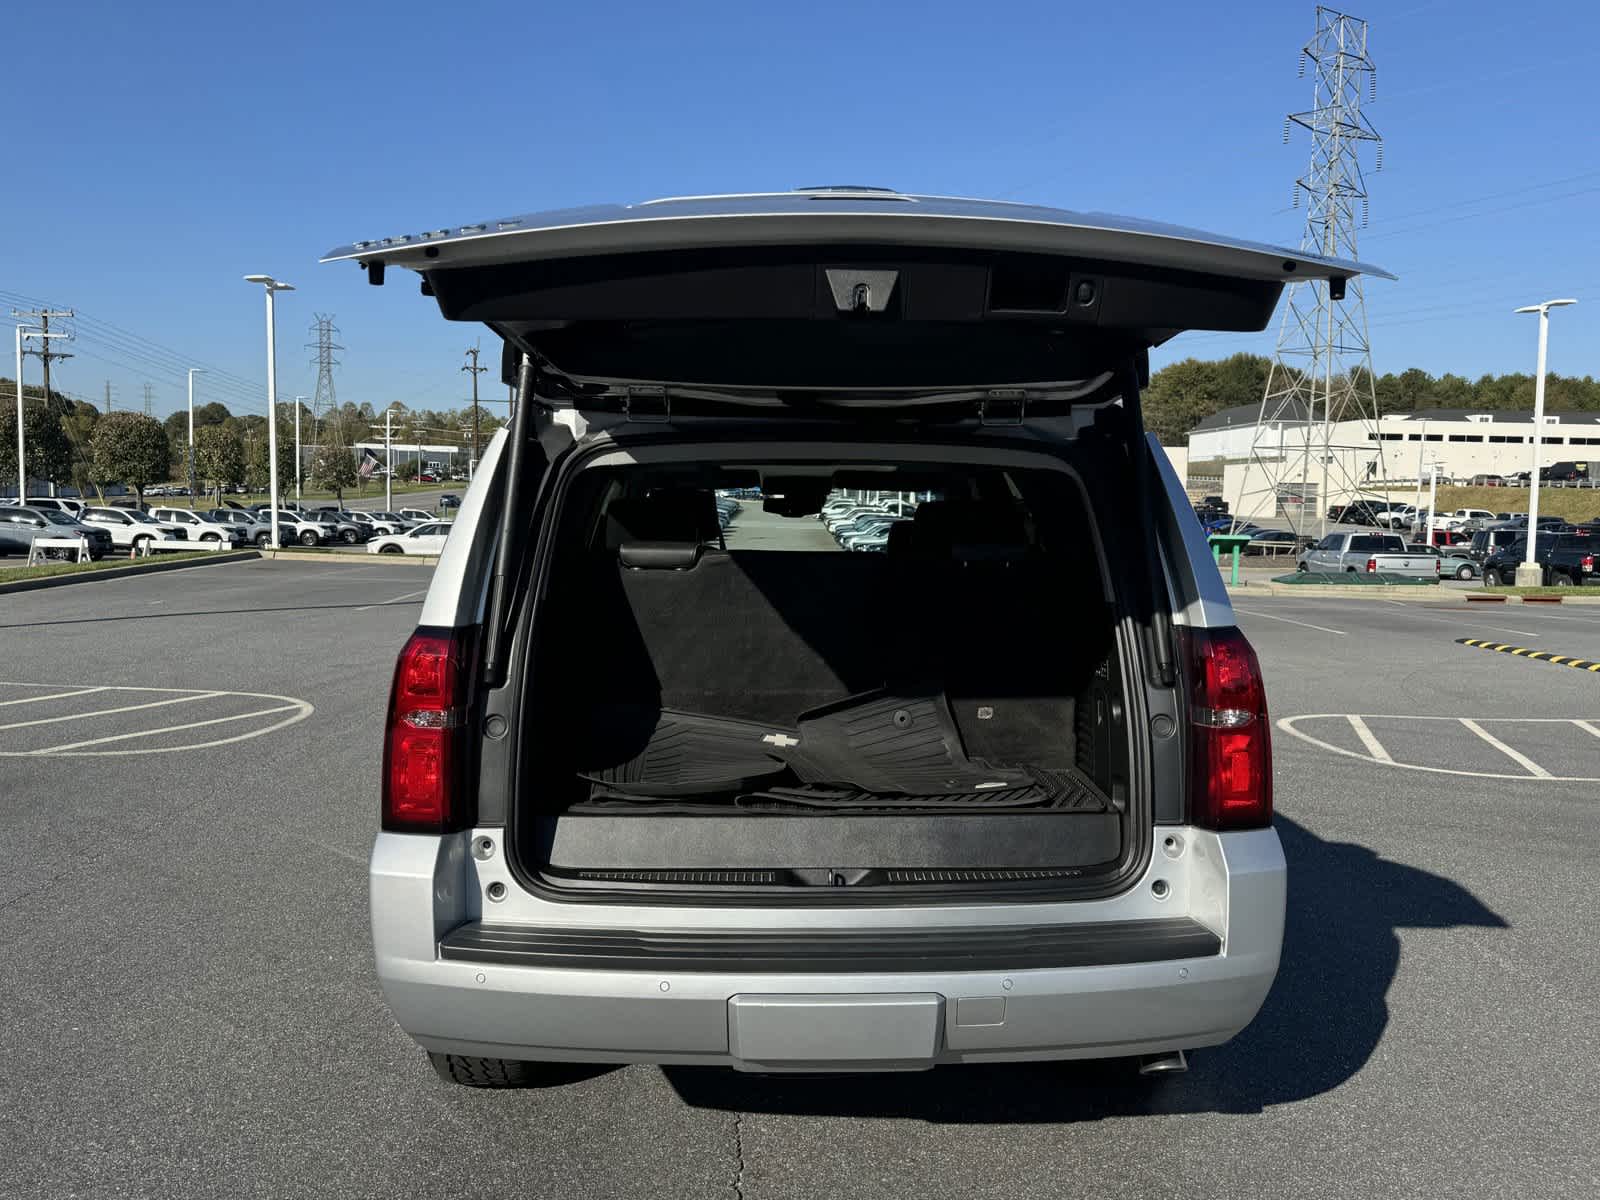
column 426, row 782
column 1230, row 738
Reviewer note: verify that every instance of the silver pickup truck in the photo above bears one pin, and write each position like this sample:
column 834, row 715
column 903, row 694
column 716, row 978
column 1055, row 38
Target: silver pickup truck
column 1370, row 553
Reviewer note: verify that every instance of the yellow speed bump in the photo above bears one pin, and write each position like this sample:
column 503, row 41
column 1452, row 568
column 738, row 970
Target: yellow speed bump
column 1560, row 660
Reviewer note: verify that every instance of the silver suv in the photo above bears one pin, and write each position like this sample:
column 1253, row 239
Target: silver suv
column 658, row 791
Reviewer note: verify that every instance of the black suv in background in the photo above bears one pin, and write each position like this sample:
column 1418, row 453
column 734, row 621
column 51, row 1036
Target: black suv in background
column 1564, row 472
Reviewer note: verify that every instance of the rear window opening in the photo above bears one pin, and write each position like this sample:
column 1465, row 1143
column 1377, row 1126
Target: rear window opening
column 812, row 679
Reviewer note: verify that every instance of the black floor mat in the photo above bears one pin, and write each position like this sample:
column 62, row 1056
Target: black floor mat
column 688, row 755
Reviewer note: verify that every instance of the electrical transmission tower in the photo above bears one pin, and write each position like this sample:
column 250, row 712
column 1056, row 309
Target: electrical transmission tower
column 147, row 404
column 323, row 404
column 1321, row 375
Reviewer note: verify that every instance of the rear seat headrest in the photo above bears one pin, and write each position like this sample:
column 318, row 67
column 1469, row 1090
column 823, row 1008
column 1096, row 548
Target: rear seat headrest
column 901, row 539
column 665, row 516
column 658, row 556
column 969, row 530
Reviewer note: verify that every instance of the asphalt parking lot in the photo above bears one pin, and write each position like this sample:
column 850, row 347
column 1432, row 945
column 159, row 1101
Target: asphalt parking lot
column 187, row 1006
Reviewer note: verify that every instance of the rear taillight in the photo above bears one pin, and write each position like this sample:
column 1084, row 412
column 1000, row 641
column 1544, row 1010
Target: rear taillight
column 1372, row 564
column 424, row 752
column 1588, row 562
column 1230, row 765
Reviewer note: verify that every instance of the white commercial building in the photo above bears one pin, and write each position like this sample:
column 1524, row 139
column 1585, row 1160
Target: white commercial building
column 1255, row 466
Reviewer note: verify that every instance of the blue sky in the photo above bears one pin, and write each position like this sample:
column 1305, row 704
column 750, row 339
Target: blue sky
column 166, row 150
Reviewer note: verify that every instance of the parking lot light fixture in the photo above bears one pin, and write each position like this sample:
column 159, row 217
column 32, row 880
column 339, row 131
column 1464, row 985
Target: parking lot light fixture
column 1529, row 574
column 273, row 287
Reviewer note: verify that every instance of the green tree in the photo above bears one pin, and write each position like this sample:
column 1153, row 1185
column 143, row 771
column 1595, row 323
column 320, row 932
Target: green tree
column 334, row 468
column 1180, row 395
column 49, row 451
column 406, row 470
column 219, row 457
column 132, row 449
column 257, row 475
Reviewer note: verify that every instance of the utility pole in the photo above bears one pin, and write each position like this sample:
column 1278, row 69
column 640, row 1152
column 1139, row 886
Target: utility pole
column 297, row 401
column 388, row 458
column 1324, row 350
column 475, row 371
column 44, row 354
column 194, row 483
column 24, row 332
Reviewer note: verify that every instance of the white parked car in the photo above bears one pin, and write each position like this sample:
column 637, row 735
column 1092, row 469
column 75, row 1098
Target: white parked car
column 380, row 523
column 129, row 527
column 310, row 529
column 73, row 508
column 201, row 526
column 424, row 539
column 420, row 515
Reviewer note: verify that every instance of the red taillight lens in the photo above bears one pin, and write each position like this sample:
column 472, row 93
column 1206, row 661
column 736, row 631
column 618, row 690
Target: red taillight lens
column 1372, row 564
column 423, row 755
column 1230, row 785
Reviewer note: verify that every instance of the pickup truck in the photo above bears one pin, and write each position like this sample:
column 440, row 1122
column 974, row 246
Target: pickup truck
column 1566, row 559
column 1369, row 553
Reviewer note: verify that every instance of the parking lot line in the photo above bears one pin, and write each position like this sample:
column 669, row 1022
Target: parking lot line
column 106, row 712
column 1515, row 756
column 122, row 737
column 394, row 600
column 1589, row 727
column 52, row 696
column 1373, row 745
column 1289, row 620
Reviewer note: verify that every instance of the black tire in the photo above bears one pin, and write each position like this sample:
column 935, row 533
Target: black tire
column 1464, row 572
column 210, row 537
column 1560, row 579
column 308, row 538
column 470, row 1071
column 140, row 543
column 390, row 549
column 1301, row 567
column 1491, row 578
column 263, row 540
column 349, row 536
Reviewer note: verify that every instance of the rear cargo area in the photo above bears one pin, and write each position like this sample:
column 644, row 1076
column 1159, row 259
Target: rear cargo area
column 775, row 678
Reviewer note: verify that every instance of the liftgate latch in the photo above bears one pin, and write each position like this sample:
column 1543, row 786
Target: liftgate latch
column 647, row 404
column 1003, row 406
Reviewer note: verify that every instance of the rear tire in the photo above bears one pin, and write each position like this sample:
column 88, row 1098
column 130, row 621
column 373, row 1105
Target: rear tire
column 1463, row 572
column 1560, row 579
column 308, row 538
column 1491, row 578
column 349, row 536
column 263, row 540
column 470, row 1071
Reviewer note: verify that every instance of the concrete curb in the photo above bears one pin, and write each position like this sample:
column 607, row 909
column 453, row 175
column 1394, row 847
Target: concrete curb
column 1402, row 593
column 362, row 559
column 147, row 568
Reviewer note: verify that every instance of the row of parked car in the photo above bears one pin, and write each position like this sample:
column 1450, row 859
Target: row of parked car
column 110, row 528
column 864, row 524
column 1564, row 553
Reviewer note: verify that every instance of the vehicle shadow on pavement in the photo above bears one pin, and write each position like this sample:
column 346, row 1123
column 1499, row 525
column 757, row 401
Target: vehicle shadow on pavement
column 1322, row 1021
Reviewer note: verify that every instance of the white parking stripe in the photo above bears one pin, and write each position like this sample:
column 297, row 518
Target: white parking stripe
column 1591, row 727
column 1289, row 621
column 1291, row 725
column 395, row 600
column 1515, row 756
column 106, row 712
column 122, row 737
column 1373, row 745
column 52, row 696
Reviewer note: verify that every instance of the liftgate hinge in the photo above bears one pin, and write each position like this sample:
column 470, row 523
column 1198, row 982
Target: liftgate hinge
column 647, row 404
column 1003, row 406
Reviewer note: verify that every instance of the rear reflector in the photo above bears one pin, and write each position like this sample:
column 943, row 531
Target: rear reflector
column 1230, row 771
column 424, row 747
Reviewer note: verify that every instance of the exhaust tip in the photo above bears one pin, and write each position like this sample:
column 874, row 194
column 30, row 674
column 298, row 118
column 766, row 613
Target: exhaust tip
column 1173, row 1063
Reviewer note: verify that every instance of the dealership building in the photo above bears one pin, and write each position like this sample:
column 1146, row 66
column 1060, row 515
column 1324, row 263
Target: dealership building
column 1250, row 466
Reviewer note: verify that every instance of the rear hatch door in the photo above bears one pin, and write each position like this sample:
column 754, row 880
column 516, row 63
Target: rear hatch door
column 838, row 298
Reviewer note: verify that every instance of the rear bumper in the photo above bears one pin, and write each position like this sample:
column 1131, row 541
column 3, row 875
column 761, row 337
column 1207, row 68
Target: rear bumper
column 1217, row 937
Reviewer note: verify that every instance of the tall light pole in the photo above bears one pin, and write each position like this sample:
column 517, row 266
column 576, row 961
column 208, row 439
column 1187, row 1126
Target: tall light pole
column 1530, row 573
column 22, row 470
column 273, row 287
column 194, row 489
column 297, row 400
